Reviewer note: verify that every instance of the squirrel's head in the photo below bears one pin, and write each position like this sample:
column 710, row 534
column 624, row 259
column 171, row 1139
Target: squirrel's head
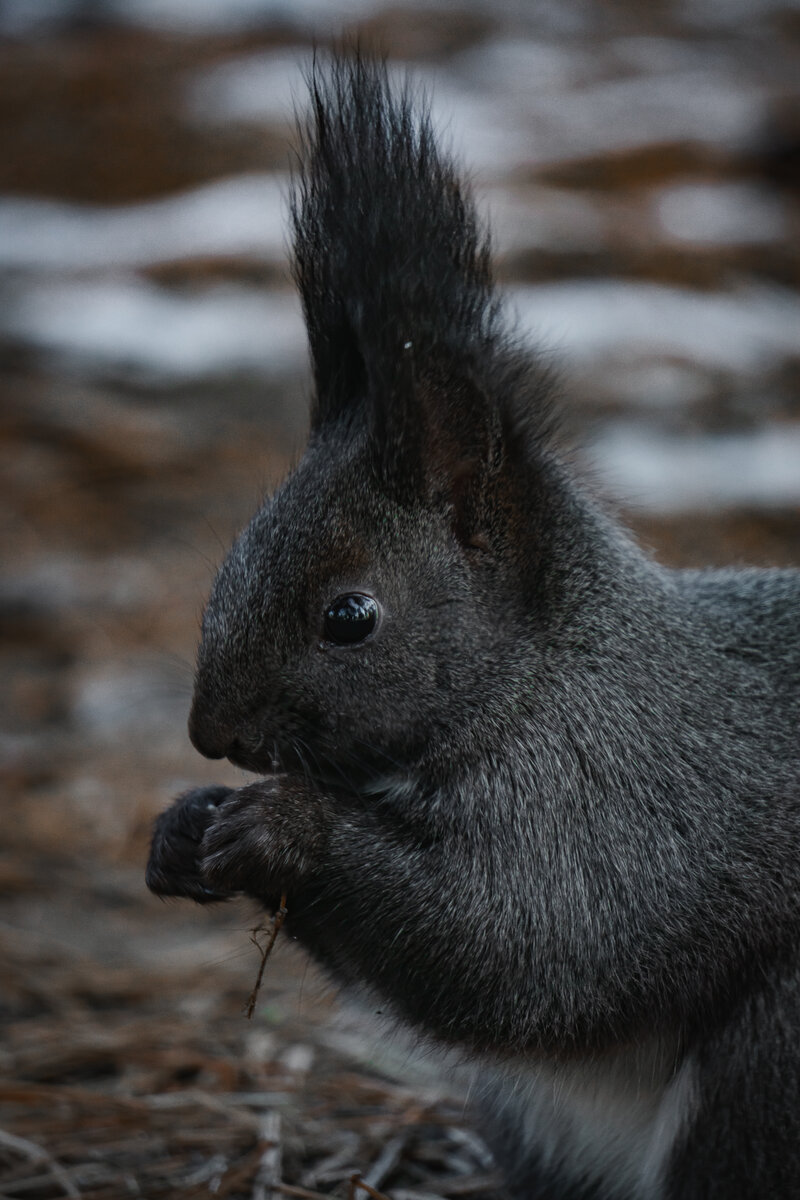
column 376, row 596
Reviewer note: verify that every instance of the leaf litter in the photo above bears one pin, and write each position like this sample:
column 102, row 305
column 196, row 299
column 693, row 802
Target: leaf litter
column 146, row 1078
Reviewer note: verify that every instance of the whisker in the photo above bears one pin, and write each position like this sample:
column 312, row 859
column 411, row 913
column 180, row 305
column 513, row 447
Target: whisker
column 296, row 749
column 384, row 754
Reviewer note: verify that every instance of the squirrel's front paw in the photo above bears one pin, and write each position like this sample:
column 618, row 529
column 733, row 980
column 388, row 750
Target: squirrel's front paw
column 174, row 865
column 265, row 839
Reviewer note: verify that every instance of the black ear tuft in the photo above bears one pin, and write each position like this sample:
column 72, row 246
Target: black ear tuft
column 393, row 267
column 390, row 258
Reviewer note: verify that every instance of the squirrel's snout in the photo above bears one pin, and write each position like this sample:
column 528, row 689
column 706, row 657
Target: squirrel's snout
column 208, row 734
column 215, row 738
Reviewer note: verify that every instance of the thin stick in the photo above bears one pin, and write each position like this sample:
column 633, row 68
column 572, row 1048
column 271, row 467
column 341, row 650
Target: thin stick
column 277, row 920
column 357, row 1182
column 269, row 1169
column 387, row 1160
column 289, row 1189
column 36, row 1154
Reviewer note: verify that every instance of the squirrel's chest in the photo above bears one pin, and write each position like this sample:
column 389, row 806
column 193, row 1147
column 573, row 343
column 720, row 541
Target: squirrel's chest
column 612, row 1121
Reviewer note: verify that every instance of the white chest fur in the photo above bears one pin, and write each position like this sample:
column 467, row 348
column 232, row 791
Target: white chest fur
column 613, row 1119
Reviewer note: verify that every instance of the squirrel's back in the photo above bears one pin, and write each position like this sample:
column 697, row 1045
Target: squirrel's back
column 754, row 614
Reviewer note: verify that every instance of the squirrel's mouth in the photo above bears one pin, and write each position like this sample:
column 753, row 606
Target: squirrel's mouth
column 269, row 757
column 325, row 758
column 258, row 754
column 245, row 744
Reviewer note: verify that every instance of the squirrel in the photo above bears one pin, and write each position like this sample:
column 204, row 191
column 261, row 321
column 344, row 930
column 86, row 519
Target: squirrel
column 533, row 790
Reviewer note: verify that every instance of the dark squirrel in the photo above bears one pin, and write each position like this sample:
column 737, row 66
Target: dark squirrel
column 534, row 791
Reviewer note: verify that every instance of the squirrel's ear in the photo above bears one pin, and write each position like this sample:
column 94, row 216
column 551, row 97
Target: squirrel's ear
column 393, row 268
column 390, row 259
column 436, row 438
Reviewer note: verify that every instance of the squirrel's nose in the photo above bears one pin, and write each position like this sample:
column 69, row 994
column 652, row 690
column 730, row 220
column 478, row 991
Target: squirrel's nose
column 212, row 737
column 215, row 738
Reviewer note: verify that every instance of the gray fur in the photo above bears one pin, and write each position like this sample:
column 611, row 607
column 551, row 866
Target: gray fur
column 548, row 811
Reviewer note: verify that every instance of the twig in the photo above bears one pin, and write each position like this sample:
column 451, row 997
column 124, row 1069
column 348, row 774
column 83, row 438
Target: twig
column 415, row 1194
column 387, row 1160
column 330, row 1167
column 269, row 1168
column 277, row 920
column 36, row 1153
column 291, row 1189
column 489, row 1181
column 357, row 1182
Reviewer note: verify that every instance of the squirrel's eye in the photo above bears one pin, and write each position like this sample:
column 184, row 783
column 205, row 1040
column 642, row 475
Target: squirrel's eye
column 350, row 618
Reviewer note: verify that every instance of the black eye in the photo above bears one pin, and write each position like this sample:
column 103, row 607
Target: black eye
column 350, row 618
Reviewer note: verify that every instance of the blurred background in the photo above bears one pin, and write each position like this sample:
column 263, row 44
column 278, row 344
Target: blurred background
column 641, row 165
